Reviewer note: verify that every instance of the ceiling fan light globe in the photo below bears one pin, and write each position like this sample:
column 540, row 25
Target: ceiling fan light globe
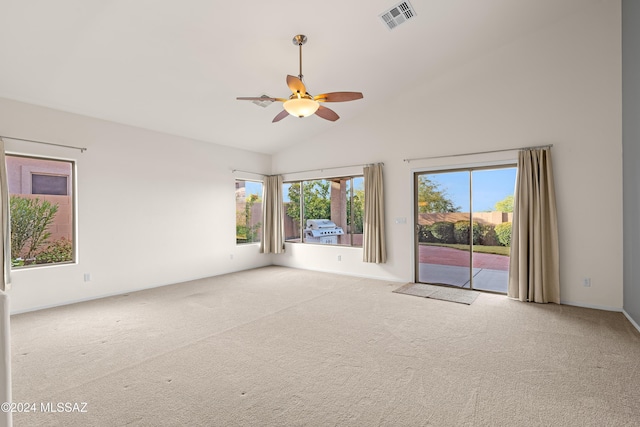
column 301, row 107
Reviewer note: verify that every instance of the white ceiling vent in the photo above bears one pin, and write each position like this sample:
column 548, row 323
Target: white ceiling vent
column 399, row 14
column 263, row 103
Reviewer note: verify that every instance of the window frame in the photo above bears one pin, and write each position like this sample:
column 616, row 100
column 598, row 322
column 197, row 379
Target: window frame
column 49, row 175
column 351, row 191
column 72, row 187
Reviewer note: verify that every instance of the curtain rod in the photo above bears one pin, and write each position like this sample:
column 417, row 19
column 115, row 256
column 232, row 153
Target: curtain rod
column 309, row 170
column 254, row 173
column 82, row 149
column 479, row 152
column 334, row 167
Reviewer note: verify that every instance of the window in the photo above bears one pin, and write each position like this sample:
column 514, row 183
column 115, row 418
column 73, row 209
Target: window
column 49, row 184
column 338, row 200
column 248, row 211
column 42, row 210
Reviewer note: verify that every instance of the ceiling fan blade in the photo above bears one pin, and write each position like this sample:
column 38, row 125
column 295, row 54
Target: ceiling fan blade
column 296, row 85
column 338, row 96
column 280, row 116
column 327, row 114
column 259, row 98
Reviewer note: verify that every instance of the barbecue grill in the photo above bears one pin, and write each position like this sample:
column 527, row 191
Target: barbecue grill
column 322, row 231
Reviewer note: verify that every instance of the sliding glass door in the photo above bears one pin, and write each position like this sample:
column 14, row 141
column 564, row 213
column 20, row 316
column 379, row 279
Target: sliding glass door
column 442, row 203
column 463, row 227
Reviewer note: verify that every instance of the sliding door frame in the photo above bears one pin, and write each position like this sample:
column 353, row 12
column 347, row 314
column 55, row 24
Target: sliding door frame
column 470, row 168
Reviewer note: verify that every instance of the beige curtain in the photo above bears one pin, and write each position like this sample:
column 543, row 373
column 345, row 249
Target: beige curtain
column 5, row 233
column 5, row 342
column 374, row 245
column 534, row 272
column 272, row 216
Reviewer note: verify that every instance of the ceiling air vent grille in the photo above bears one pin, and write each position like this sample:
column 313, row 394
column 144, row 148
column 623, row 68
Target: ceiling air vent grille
column 265, row 103
column 398, row 14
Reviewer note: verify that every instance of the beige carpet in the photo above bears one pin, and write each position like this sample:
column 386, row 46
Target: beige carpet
column 278, row 346
column 461, row 296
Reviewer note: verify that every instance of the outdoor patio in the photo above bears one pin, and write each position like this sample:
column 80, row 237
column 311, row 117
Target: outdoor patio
column 448, row 266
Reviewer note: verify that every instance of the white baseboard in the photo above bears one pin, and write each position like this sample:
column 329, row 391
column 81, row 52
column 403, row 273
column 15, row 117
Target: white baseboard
column 121, row 292
column 596, row 307
column 343, row 273
column 633, row 322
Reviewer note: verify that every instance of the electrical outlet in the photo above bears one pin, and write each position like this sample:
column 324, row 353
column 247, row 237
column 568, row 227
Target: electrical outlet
column 87, row 277
column 230, row 256
column 586, row 282
column 339, row 257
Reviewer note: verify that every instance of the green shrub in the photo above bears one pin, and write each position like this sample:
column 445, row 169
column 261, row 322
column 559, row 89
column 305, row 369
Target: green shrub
column 30, row 221
column 477, row 232
column 443, row 231
column 488, row 236
column 424, row 234
column 461, row 232
column 60, row 250
column 503, row 231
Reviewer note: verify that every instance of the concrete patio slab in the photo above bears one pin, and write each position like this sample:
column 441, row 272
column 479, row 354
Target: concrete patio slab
column 491, row 280
column 445, row 274
column 483, row 278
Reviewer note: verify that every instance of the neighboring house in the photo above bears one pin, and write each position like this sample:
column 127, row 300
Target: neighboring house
column 48, row 180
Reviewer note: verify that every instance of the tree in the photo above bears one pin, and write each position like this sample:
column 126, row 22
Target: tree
column 247, row 233
column 433, row 199
column 252, row 230
column 317, row 201
column 358, row 212
column 30, row 221
column 504, row 205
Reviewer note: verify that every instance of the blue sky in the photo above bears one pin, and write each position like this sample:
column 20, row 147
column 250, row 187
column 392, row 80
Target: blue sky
column 252, row 187
column 489, row 186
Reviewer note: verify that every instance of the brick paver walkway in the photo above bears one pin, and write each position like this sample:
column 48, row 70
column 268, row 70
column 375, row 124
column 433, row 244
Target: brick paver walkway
column 459, row 258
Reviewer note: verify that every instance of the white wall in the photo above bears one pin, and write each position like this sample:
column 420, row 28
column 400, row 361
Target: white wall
column 560, row 86
column 631, row 149
column 153, row 209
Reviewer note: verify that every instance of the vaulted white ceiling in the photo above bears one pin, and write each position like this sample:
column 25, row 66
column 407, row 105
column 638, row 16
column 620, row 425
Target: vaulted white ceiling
column 178, row 66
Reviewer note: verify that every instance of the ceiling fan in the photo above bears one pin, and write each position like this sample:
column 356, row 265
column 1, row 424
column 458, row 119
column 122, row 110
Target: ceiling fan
column 301, row 103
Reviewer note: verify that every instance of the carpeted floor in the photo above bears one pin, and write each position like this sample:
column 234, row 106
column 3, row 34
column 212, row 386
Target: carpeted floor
column 278, row 346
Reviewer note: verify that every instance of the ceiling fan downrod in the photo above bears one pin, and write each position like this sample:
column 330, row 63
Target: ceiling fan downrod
column 299, row 40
